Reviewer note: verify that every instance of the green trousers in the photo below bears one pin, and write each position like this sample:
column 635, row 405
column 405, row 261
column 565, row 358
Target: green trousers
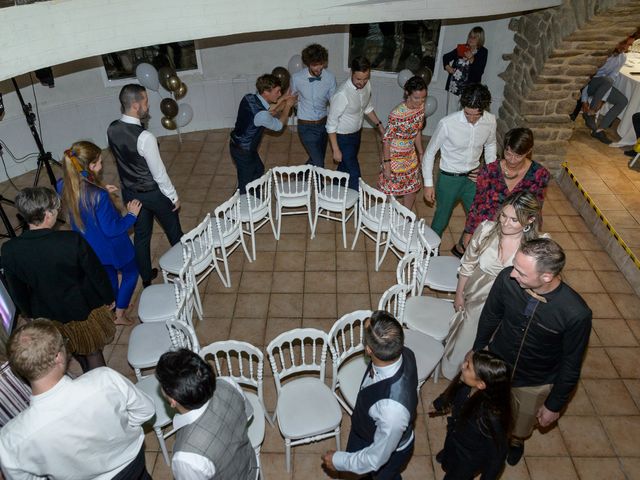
column 448, row 191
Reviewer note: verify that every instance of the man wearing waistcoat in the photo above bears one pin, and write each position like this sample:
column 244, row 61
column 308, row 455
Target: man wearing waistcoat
column 211, row 423
column 381, row 439
column 266, row 109
column 540, row 326
column 143, row 176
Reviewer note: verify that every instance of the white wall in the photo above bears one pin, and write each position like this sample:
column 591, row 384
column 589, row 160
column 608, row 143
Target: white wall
column 81, row 106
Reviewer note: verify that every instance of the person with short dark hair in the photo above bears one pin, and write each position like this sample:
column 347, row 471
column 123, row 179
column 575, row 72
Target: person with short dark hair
column 87, row 427
column 254, row 115
column 540, row 326
column 347, row 108
column 143, row 177
column 211, row 423
column 461, row 138
column 381, row 438
column 56, row 275
column 314, row 86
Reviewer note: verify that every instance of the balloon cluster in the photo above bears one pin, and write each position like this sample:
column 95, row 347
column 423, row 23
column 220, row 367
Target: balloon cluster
column 175, row 115
column 425, row 73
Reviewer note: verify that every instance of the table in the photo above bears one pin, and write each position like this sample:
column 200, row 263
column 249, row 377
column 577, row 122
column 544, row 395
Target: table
column 629, row 85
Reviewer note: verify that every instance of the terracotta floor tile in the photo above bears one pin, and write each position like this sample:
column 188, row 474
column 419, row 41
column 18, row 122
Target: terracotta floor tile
column 597, row 364
column 321, row 305
column 288, row 261
column 614, row 333
column 320, row 261
column 419, row 468
column 631, row 467
column 353, row 281
column 610, row 397
column 599, row 468
column 212, row 329
column 249, row 330
column 219, row 304
column 263, row 263
column 601, row 305
column 601, row 261
column 628, row 304
column 276, row 326
column 580, row 403
column 255, row 282
column 351, row 261
column 349, row 302
column 273, row 466
column 614, row 282
column 624, row 433
column 285, row 305
column 626, row 360
column 553, row 223
column 323, row 242
column 547, row 444
column 320, row 282
column 292, row 242
column 287, row 282
column 551, row 468
column 583, row 281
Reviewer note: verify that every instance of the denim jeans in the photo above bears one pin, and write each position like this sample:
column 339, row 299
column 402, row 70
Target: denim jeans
column 349, row 145
column 314, row 138
column 248, row 164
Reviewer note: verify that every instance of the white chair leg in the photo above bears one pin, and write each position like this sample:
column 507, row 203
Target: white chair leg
column 344, row 231
column 279, row 222
column 253, row 241
column 355, row 239
column 259, row 473
column 165, row 276
column 138, row 373
column 635, row 159
column 219, row 271
column 313, row 223
column 287, row 453
column 163, row 445
column 198, row 303
column 227, row 280
column 310, row 219
column 338, row 439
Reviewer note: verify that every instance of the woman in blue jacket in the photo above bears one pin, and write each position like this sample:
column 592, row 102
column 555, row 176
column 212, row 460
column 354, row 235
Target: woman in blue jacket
column 92, row 213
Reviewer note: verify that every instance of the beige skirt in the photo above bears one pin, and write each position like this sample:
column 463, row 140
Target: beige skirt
column 90, row 335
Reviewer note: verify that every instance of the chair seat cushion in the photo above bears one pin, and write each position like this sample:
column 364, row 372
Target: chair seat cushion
column 256, row 427
column 430, row 315
column 427, row 350
column 335, row 202
column 307, row 407
column 370, row 218
column 259, row 213
column 157, row 303
column 164, row 412
column 442, row 273
column 146, row 343
column 350, row 375
column 171, row 261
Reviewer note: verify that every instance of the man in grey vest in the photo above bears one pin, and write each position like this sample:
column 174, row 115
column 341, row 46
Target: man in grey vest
column 381, row 438
column 143, row 176
column 212, row 420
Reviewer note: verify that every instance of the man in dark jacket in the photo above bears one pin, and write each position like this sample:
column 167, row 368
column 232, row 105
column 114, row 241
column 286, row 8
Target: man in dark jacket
column 540, row 326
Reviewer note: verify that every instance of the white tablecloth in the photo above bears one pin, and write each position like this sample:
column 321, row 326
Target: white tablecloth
column 629, row 85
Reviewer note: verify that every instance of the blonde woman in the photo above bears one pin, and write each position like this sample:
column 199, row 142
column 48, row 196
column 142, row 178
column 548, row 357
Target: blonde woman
column 492, row 248
column 93, row 214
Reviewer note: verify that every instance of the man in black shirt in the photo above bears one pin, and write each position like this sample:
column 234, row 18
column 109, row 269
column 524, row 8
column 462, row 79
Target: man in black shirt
column 540, row 326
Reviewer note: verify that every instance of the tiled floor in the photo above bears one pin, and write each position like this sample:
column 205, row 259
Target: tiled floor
column 301, row 282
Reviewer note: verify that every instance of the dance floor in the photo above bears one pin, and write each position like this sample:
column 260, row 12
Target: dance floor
column 302, row 282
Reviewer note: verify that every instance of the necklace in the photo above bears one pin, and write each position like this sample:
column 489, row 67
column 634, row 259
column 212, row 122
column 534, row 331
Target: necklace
column 507, row 175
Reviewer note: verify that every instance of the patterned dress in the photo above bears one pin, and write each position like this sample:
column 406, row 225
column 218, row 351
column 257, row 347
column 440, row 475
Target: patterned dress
column 403, row 127
column 491, row 190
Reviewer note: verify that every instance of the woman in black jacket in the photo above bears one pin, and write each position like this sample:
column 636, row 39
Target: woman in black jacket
column 465, row 64
column 56, row 275
column 479, row 400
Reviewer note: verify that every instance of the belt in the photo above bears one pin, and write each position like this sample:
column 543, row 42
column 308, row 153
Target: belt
column 144, row 189
column 451, row 174
column 322, row 121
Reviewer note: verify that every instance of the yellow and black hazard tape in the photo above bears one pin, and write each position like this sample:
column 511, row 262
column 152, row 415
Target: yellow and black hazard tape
column 601, row 215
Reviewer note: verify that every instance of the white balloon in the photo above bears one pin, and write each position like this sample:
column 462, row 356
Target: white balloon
column 185, row 114
column 295, row 64
column 147, row 75
column 403, row 76
column 431, row 106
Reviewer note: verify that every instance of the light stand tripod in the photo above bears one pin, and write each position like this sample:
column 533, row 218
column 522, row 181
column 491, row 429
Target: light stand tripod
column 3, row 215
column 44, row 158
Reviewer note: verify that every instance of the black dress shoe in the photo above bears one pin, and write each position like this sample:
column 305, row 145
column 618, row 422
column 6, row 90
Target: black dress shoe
column 154, row 275
column 516, row 450
column 456, row 252
column 630, row 153
column 589, row 121
column 600, row 135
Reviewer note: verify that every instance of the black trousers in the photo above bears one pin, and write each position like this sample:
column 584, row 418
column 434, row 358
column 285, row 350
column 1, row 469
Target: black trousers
column 390, row 470
column 248, row 164
column 154, row 205
column 636, row 124
column 136, row 470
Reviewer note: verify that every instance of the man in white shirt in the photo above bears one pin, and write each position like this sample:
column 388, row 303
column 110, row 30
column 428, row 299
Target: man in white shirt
column 267, row 108
column 88, row 427
column 143, row 176
column 381, row 438
column 348, row 106
column 461, row 138
column 314, row 85
column 212, row 422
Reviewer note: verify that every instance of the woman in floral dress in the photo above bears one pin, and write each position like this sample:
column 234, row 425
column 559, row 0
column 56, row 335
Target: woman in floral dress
column 402, row 145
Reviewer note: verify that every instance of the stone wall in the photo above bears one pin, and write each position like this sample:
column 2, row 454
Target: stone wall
column 557, row 50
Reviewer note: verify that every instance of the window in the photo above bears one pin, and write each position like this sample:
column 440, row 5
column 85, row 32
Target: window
column 394, row 46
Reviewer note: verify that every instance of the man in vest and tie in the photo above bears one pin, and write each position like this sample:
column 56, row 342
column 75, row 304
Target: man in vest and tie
column 143, row 176
column 266, row 109
column 381, row 439
column 211, row 423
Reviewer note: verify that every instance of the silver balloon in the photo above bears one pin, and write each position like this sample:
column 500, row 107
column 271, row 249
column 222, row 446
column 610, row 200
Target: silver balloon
column 147, row 75
column 431, row 106
column 185, row 114
column 295, row 64
column 403, row 76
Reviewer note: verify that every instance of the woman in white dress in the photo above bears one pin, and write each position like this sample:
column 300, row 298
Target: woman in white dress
column 491, row 249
